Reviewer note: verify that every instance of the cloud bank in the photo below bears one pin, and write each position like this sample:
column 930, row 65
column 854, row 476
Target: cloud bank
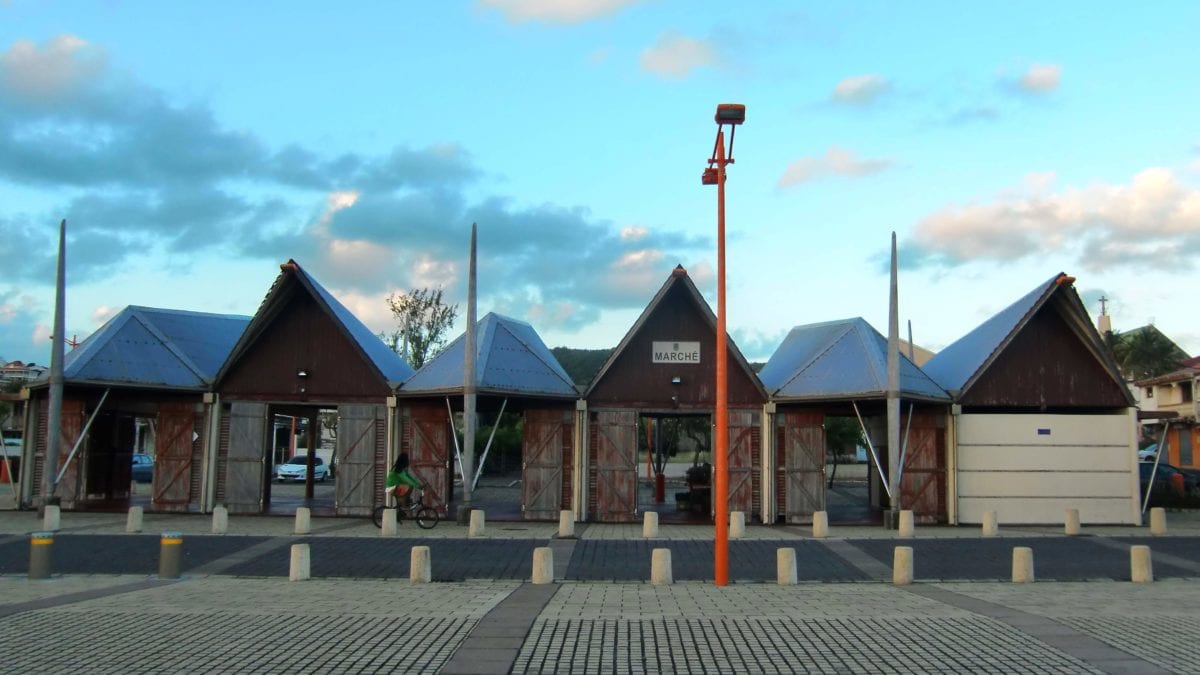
column 675, row 56
column 556, row 11
column 836, row 162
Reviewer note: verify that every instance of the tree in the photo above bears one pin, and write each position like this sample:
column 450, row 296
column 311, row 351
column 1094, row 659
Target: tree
column 423, row 321
column 1144, row 352
column 843, row 435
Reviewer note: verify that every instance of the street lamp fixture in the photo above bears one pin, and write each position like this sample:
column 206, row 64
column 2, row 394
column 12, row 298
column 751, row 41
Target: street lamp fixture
column 733, row 114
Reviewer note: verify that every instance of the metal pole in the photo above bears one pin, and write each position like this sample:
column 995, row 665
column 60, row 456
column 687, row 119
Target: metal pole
column 488, row 446
column 871, row 447
column 1162, row 447
column 469, row 384
column 54, row 420
column 454, row 435
column 721, row 461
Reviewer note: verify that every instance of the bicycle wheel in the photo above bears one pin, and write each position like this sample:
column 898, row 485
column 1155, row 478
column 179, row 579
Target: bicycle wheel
column 377, row 516
column 426, row 518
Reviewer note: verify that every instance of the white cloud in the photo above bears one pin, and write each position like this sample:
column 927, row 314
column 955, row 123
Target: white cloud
column 1041, row 78
column 633, row 233
column 675, row 56
column 556, row 11
column 57, row 67
column 102, row 314
column 1152, row 218
column 860, row 89
column 835, row 162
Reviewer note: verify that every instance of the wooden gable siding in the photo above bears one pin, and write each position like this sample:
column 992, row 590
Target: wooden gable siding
column 303, row 337
column 1046, row 366
column 634, row 381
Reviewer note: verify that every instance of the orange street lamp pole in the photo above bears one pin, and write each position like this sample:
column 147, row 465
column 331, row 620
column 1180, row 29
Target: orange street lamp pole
column 732, row 114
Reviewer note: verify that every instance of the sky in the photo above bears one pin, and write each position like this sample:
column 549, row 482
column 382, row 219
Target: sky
column 193, row 147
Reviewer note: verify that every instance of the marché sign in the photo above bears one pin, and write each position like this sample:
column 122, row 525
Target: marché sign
column 675, row 352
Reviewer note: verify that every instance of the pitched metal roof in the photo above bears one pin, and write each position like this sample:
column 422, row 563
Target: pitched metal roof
column 391, row 367
column 151, row 347
column 390, row 364
column 510, row 359
column 957, row 367
column 678, row 276
column 840, row 360
column 959, row 363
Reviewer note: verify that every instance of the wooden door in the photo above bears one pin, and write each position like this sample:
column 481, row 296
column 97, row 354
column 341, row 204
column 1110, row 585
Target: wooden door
column 426, row 439
column 70, row 428
column 802, row 443
column 361, row 446
column 744, row 442
column 245, row 470
column 547, row 437
column 614, row 462
column 923, row 481
column 171, row 489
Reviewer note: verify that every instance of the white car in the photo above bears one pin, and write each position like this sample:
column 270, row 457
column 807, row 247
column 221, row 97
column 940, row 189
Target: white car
column 297, row 467
column 1147, row 454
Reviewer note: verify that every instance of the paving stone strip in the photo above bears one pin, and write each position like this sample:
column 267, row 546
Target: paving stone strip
column 81, row 596
column 1156, row 555
column 222, row 565
column 1084, row 647
column 494, row 643
column 858, row 558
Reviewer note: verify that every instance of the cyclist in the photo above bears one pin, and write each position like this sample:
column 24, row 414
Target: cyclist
column 400, row 481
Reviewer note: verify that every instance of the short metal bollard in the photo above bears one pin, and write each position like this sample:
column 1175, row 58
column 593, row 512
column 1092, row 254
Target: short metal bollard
column 169, row 552
column 41, row 544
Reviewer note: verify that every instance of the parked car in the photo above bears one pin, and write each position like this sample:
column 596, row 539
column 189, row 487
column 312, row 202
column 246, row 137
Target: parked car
column 142, row 469
column 297, row 467
column 1147, row 453
column 1165, row 485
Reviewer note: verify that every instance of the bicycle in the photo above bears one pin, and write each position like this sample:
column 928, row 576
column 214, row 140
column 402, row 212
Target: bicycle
column 426, row 517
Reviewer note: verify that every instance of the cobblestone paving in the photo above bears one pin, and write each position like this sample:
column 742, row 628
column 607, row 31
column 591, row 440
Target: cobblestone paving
column 450, row 560
column 693, row 560
column 1057, row 558
column 1157, row 622
column 124, row 554
column 253, row 626
column 812, row 628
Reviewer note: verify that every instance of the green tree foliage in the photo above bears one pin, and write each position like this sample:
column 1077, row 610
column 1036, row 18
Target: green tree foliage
column 842, row 436
column 1144, row 352
column 581, row 364
column 423, row 320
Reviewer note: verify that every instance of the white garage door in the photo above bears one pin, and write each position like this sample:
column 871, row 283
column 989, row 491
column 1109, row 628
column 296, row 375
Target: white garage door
column 1031, row 468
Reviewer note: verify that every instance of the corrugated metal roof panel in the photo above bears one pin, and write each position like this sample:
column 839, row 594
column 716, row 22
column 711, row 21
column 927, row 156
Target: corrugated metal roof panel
column 511, row 358
column 955, row 365
column 146, row 346
column 840, row 360
column 390, row 364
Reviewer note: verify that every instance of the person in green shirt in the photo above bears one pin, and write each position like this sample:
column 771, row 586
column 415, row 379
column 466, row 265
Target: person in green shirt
column 400, row 481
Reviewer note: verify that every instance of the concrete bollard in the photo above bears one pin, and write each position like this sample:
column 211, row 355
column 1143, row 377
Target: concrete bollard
column 477, row 523
column 133, row 522
column 566, row 525
column 133, row 488
column 737, row 524
column 1071, row 523
column 902, row 566
column 41, row 545
column 419, row 566
column 1158, row 520
column 906, row 524
column 389, row 528
column 303, row 520
column 1141, row 568
column 660, row 567
column 220, row 524
column 1022, row 565
column 649, row 525
column 52, row 518
column 543, row 565
column 820, row 525
column 785, row 567
column 990, row 526
column 301, row 565
column 169, row 553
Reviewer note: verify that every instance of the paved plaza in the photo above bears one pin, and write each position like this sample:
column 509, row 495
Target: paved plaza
column 233, row 610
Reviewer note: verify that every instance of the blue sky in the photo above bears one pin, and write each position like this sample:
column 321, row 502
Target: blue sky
column 192, row 147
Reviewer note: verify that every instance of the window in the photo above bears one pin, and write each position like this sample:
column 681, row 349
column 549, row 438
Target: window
column 1185, row 392
column 1149, row 392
